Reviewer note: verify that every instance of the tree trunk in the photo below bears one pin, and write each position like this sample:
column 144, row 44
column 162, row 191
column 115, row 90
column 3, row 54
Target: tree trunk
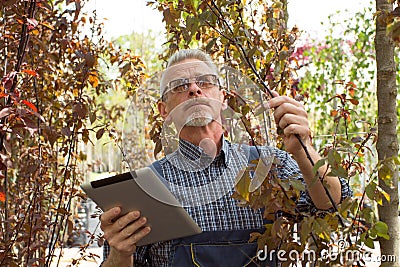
column 387, row 144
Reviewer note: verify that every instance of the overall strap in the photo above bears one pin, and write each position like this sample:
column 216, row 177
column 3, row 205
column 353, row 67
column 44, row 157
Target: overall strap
column 254, row 153
column 157, row 167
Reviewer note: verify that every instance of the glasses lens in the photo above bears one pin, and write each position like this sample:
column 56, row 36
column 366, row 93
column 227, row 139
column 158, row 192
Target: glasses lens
column 178, row 85
column 206, row 81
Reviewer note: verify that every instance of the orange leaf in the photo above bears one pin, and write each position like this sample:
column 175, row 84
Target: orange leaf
column 352, row 92
column 334, row 113
column 2, row 197
column 31, row 72
column 93, row 80
column 29, row 104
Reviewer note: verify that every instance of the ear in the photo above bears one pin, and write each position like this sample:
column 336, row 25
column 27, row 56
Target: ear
column 162, row 109
column 223, row 100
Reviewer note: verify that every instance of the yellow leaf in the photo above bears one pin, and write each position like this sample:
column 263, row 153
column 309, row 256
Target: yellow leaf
column 75, row 91
column 384, row 193
column 242, row 184
column 35, row 32
column 47, row 25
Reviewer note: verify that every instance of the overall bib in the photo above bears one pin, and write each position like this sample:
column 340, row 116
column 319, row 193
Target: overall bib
column 217, row 249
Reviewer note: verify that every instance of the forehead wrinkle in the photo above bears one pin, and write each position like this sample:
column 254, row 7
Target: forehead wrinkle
column 185, row 72
column 191, row 69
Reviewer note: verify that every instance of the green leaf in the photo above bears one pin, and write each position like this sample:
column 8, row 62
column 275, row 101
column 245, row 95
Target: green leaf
column 381, row 229
column 385, row 236
column 298, row 185
column 384, row 194
column 318, row 165
column 369, row 243
column 339, row 171
column 385, row 174
column 368, row 215
column 333, row 158
column 321, row 227
column 370, row 190
column 305, row 229
column 345, row 206
column 211, row 44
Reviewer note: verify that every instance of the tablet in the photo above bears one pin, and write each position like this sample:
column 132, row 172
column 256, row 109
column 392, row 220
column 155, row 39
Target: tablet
column 143, row 190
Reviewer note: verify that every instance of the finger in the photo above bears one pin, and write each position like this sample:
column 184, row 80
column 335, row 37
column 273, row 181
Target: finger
column 292, row 129
column 133, row 239
column 289, row 109
column 135, row 226
column 279, row 100
column 127, row 219
column 292, row 120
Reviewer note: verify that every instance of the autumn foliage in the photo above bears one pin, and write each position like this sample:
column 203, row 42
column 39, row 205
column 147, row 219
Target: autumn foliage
column 51, row 55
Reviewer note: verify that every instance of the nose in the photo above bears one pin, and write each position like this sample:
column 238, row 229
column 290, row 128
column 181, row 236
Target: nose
column 194, row 90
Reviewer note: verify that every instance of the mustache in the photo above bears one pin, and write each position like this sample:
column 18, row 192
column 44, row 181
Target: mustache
column 196, row 101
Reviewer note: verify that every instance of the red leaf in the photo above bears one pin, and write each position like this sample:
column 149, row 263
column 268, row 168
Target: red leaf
column 354, row 101
column 100, row 133
column 2, row 197
column 29, row 104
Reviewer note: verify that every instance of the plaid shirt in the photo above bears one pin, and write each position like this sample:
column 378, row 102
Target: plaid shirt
column 204, row 187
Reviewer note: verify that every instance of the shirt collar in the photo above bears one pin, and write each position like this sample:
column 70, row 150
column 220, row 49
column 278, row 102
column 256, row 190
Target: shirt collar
column 193, row 152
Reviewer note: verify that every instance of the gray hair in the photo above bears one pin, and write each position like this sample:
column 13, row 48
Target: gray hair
column 198, row 54
column 184, row 54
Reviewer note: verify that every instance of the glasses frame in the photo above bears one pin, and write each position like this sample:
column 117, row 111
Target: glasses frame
column 186, row 84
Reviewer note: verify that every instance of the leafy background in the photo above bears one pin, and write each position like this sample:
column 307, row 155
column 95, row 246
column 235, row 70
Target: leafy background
column 66, row 92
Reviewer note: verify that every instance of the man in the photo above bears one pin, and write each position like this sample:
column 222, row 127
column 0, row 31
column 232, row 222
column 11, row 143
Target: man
column 193, row 100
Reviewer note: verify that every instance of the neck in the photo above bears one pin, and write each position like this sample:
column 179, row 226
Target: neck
column 207, row 137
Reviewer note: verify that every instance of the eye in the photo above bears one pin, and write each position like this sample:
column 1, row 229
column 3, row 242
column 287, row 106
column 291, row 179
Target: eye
column 206, row 80
column 200, row 83
column 180, row 88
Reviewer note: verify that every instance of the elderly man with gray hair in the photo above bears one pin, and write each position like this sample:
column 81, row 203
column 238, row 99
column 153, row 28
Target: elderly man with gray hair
column 203, row 170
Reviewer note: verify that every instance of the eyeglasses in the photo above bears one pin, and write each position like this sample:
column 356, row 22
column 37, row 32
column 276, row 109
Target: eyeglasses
column 206, row 81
